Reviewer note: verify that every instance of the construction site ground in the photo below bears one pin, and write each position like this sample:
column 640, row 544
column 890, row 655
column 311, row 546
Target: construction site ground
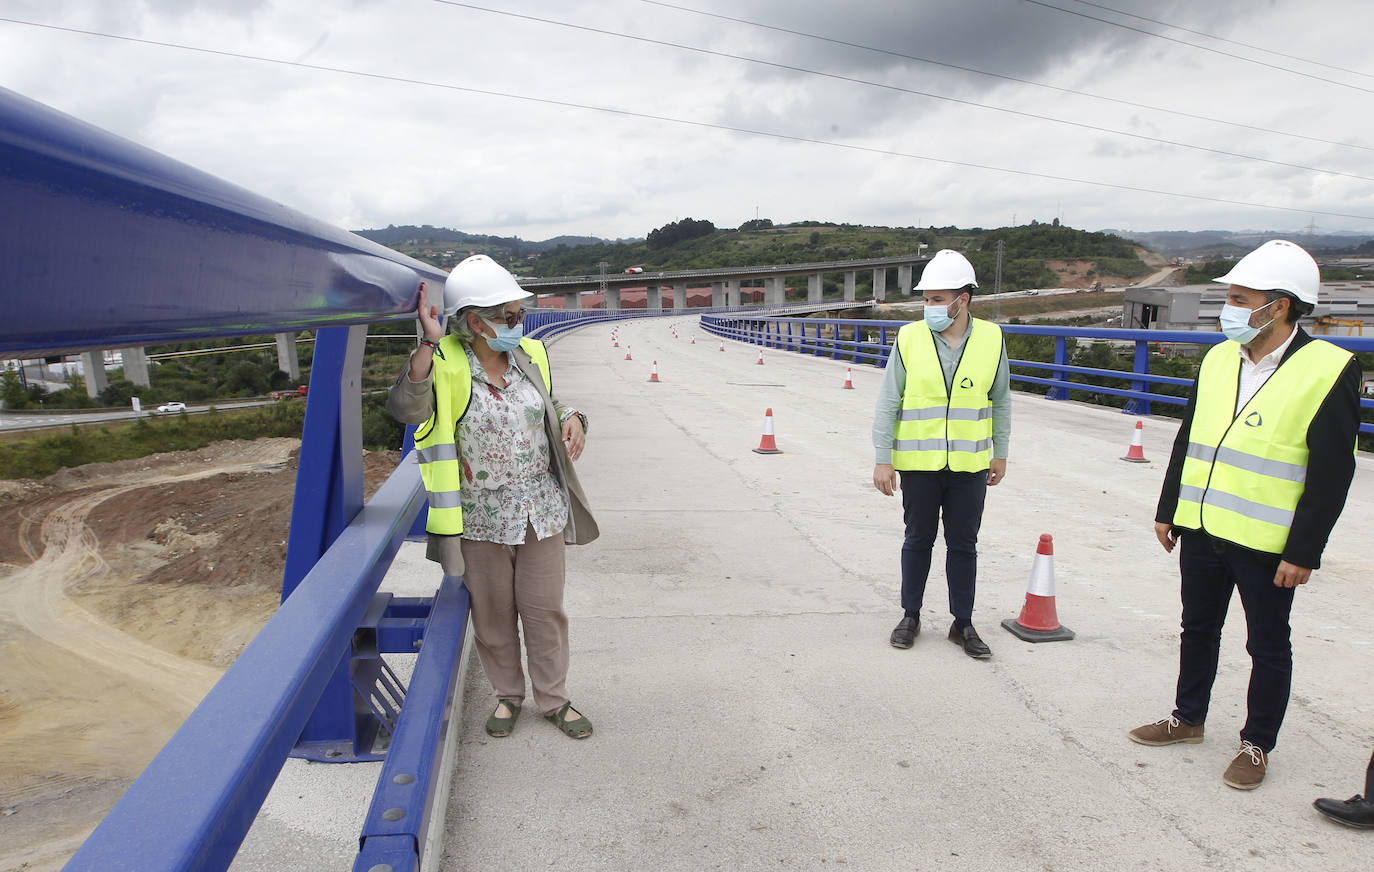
column 125, row 590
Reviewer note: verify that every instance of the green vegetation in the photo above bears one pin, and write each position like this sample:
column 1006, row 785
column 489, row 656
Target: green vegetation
column 689, row 244
column 1206, row 272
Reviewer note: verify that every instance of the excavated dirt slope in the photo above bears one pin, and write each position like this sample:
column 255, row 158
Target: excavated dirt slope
column 125, row 590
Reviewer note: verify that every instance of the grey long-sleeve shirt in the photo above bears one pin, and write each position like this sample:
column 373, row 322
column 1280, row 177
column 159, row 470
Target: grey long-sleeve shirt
column 894, row 385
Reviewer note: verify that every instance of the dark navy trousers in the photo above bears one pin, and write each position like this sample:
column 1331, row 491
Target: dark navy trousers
column 957, row 499
column 1210, row 570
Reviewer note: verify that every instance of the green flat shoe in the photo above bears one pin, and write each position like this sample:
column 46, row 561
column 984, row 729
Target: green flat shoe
column 578, row 728
column 499, row 727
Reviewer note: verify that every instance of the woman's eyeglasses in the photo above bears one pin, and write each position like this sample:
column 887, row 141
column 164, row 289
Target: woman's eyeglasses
column 513, row 318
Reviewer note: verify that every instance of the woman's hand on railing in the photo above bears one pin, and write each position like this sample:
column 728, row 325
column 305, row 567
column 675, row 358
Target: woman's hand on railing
column 429, row 317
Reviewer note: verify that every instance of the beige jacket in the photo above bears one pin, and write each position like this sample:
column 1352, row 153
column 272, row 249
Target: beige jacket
column 412, row 403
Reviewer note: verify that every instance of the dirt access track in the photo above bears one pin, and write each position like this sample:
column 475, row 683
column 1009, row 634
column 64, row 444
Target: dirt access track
column 126, row 589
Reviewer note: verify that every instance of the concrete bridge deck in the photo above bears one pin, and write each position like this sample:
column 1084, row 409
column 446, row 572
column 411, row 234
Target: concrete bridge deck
column 729, row 636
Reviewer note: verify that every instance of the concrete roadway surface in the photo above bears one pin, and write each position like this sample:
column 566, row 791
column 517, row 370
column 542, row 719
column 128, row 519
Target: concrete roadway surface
column 730, row 643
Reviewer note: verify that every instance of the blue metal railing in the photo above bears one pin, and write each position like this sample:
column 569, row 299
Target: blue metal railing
column 871, row 341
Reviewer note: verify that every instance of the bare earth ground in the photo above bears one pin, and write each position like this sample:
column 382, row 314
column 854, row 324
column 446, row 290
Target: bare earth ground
column 125, row 591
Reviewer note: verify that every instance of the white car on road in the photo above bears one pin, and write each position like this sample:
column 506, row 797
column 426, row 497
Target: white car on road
column 171, row 408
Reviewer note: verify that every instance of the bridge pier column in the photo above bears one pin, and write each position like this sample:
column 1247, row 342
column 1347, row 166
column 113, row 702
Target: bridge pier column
column 136, row 366
column 93, row 363
column 880, row 285
column 572, row 300
column 612, row 299
column 732, row 293
column 288, row 361
column 717, row 294
column 815, row 288
column 653, row 298
column 680, row 295
column 850, row 283
column 774, row 290
column 904, row 283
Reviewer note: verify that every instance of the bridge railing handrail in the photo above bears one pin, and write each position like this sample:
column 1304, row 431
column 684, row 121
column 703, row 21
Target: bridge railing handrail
column 792, row 334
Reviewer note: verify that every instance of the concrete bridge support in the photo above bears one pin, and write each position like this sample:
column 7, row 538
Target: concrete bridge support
column 136, row 366
column 288, row 361
column 904, row 282
column 718, row 294
column 850, row 284
column 653, row 298
column 815, row 288
column 774, row 290
column 572, row 300
column 612, row 299
column 680, row 295
column 732, row 293
column 93, row 365
column 880, row 285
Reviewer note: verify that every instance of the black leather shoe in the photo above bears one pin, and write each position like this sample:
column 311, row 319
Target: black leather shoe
column 906, row 632
column 1356, row 811
column 968, row 637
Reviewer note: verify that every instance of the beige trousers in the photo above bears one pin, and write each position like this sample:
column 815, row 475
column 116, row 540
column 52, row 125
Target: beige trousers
column 524, row 582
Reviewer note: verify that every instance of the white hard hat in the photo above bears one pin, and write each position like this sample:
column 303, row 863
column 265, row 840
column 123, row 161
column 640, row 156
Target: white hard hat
column 1277, row 265
column 480, row 281
column 948, row 270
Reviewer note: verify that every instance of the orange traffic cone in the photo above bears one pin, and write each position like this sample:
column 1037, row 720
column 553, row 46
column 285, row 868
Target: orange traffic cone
column 1136, row 453
column 694, row 340
column 627, row 352
column 653, row 374
column 767, row 445
column 1038, row 621
column 848, row 380
column 615, row 343
column 722, row 345
column 760, row 360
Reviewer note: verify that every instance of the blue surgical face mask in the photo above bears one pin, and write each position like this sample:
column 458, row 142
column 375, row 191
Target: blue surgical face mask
column 1235, row 322
column 506, row 338
column 937, row 318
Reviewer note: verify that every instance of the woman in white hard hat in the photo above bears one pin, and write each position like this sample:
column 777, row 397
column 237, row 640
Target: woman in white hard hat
column 496, row 450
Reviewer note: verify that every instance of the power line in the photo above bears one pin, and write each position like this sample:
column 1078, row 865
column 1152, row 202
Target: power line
column 1200, row 47
column 1224, row 39
column 897, row 88
column 924, row 60
column 708, row 125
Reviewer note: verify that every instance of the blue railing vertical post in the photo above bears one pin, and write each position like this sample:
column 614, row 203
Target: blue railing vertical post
column 329, row 494
column 417, row 529
column 1061, row 358
column 1141, row 365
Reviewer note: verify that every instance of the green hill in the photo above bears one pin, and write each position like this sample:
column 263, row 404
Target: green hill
column 692, row 244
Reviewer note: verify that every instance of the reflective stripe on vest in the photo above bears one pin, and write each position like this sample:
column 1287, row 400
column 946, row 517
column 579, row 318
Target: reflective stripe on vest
column 436, row 445
column 937, row 428
column 1243, row 474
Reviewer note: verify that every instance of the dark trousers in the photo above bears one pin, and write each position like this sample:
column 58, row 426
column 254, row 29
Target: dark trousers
column 958, row 498
column 1369, row 780
column 1210, row 569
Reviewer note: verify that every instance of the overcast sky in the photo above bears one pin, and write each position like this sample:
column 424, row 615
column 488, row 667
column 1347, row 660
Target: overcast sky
column 366, row 152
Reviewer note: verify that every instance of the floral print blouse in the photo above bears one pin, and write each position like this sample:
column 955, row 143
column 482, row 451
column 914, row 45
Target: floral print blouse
column 508, row 482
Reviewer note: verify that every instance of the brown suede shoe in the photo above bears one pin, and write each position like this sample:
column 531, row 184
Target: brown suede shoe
column 1167, row 731
column 1246, row 771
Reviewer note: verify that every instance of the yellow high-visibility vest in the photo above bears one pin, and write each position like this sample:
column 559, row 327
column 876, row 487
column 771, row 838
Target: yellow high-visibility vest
column 436, row 440
column 938, row 428
column 1245, row 472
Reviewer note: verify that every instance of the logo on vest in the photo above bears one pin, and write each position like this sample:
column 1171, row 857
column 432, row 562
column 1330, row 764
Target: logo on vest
column 1254, row 420
column 966, row 383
